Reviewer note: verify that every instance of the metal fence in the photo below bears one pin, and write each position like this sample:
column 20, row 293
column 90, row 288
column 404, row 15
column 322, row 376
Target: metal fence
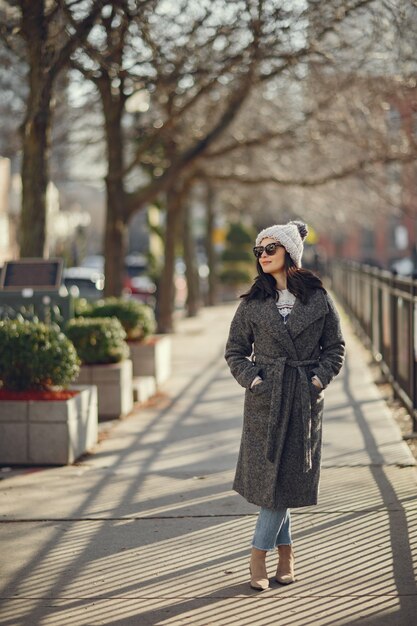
column 384, row 306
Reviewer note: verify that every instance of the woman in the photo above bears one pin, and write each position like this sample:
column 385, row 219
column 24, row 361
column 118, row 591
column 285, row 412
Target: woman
column 284, row 347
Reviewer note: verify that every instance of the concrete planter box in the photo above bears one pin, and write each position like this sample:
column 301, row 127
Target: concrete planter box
column 144, row 387
column 152, row 357
column 39, row 432
column 114, row 387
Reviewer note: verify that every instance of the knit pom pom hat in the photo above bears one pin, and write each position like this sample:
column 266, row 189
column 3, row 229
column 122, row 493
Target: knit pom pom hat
column 290, row 235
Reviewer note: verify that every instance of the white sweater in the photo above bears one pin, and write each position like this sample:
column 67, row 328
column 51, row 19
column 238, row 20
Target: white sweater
column 285, row 303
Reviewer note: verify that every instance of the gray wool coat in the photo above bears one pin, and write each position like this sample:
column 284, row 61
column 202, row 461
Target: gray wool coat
column 280, row 450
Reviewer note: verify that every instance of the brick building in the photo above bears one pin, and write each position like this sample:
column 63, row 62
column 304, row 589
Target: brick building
column 390, row 241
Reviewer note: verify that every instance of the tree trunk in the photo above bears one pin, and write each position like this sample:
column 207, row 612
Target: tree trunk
column 35, row 134
column 166, row 289
column 41, row 28
column 115, row 238
column 35, row 145
column 191, row 271
column 210, row 250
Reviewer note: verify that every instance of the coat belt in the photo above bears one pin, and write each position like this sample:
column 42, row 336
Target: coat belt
column 278, row 416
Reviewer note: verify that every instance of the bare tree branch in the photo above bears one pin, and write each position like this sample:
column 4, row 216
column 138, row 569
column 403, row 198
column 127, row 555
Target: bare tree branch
column 350, row 170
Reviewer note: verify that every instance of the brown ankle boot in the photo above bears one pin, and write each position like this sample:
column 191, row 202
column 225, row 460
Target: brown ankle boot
column 259, row 576
column 285, row 570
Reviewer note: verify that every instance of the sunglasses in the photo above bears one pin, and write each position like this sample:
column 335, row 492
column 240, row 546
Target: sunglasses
column 270, row 249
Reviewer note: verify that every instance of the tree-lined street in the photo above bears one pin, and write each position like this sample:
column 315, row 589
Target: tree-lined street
column 143, row 145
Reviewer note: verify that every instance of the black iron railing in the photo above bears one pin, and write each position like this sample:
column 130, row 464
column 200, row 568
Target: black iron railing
column 384, row 307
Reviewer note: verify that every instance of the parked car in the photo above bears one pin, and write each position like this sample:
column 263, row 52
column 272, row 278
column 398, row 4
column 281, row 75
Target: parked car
column 94, row 262
column 84, row 282
column 136, row 281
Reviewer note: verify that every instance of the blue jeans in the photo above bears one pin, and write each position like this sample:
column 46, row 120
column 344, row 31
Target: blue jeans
column 273, row 528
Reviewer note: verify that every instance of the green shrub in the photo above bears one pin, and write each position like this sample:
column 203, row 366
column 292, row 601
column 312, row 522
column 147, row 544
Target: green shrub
column 98, row 340
column 137, row 319
column 232, row 254
column 35, row 356
column 82, row 307
column 239, row 235
column 237, row 259
column 235, row 276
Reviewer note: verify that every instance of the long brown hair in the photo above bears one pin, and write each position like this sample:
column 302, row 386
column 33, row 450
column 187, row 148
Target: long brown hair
column 300, row 282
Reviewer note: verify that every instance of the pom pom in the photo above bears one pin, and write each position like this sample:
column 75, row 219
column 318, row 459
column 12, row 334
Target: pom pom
column 302, row 228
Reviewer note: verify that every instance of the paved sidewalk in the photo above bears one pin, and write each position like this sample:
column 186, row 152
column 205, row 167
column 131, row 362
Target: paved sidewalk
column 147, row 532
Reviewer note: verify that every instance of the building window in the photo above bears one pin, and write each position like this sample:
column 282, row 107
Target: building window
column 394, row 120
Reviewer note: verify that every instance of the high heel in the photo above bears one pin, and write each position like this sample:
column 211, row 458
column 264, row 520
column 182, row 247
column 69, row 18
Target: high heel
column 285, row 570
column 257, row 568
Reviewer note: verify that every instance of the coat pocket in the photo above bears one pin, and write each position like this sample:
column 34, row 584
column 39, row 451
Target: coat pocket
column 316, row 394
column 259, row 388
column 258, row 399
